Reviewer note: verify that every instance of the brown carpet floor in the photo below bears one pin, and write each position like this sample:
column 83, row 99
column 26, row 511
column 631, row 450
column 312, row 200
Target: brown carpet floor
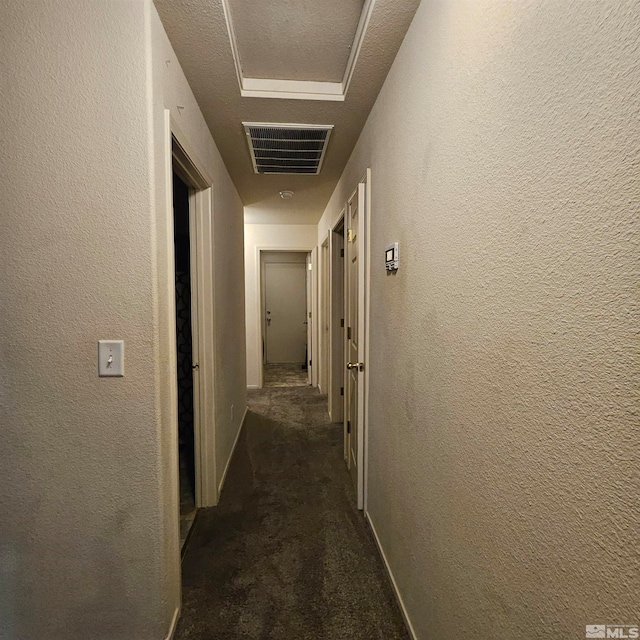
column 285, row 375
column 286, row 554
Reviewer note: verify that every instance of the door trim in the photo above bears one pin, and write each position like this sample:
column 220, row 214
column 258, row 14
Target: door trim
column 366, row 245
column 310, row 319
column 259, row 297
column 203, row 316
column 336, row 334
column 314, row 352
column 324, row 318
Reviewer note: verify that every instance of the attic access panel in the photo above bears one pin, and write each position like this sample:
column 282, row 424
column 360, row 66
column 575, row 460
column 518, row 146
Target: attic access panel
column 287, row 148
column 308, row 41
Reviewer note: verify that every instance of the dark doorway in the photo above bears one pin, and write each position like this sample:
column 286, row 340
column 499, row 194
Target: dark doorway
column 184, row 356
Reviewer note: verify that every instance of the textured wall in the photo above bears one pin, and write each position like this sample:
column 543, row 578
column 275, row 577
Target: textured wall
column 504, row 360
column 88, row 533
column 267, row 236
column 81, row 544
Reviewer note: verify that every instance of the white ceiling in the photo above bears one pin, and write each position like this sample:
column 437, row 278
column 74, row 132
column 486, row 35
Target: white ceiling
column 294, row 40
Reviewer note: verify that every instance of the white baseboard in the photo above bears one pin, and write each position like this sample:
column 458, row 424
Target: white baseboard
column 174, row 624
column 403, row 609
column 253, row 386
column 226, row 468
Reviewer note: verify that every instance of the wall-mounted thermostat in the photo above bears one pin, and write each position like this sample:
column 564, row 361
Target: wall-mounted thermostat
column 391, row 257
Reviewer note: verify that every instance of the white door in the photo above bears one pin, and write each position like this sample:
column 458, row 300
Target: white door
column 285, row 311
column 355, row 316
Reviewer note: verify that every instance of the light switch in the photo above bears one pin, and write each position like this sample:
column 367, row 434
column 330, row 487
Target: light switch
column 111, row 358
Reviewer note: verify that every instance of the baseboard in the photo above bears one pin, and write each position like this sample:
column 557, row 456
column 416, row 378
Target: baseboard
column 226, row 468
column 174, row 624
column 253, row 386
column 403, row 609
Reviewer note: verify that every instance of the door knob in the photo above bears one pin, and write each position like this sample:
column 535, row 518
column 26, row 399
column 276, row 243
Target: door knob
column 355, row 365
column 195, row 366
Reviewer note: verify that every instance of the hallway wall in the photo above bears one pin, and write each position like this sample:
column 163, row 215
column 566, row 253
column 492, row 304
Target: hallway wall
column 503, row 420
column 88, row 488
column 271, row 236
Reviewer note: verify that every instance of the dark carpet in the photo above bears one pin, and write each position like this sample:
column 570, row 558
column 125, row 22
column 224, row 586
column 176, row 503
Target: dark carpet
column 286, row 554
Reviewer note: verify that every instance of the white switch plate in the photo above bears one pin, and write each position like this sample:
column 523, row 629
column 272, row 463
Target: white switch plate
column 111, row 358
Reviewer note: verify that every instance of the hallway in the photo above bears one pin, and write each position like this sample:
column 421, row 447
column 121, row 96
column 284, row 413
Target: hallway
column 286, row 554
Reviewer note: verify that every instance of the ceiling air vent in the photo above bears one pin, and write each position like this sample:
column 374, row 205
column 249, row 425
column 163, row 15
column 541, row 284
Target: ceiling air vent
column 287, row 148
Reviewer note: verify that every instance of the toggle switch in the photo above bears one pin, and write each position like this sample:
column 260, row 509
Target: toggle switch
column 111, row 358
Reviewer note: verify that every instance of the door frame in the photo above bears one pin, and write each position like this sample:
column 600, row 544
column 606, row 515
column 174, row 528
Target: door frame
column 179, row 159
column 324, row 319
column 314, row 352
column 364, row 305
column 366, row 246
column 336, row 365
column 259, row 298
column 308, row 279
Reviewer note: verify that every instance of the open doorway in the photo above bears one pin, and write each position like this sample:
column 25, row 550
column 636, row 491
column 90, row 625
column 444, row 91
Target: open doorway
column 285, row 318
column 185, row 359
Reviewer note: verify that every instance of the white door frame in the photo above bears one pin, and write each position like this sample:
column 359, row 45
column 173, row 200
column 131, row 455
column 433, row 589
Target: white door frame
column 362, row 191
column 366, row 247
column 203, row 317
column 310, row 316
column 314, row 353
column 324, row 318
column 259, row 298
column 336, row 334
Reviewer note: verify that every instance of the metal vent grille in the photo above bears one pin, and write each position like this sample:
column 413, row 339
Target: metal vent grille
column 287, row 148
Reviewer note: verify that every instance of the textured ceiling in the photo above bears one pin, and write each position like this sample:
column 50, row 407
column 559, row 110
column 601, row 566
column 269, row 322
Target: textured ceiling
column 198, row 32
column 295, row 30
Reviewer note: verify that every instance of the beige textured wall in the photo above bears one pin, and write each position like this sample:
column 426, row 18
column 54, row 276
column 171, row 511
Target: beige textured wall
column 266, row 236
column 88, row 533
column 504, row 433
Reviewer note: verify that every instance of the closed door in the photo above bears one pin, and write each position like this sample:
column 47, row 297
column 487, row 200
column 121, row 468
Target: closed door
column 355, row 339
column 285, row 311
